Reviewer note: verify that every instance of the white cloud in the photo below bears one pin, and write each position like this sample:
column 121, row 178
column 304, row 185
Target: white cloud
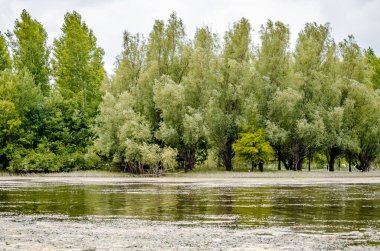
column 109, row 19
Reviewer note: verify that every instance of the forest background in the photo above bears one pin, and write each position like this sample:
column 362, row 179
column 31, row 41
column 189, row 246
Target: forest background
column 180, row 103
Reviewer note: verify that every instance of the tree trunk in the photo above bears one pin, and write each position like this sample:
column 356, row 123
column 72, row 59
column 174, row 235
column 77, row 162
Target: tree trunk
column 189, row 159
column 228, row 155
column 331, row 163
column 261, row 167
column 364, row 164
column 4, row 162
column 288, row 164
column 279, row 161
column 339, row 163
column 253, row 166
column 298, row 165
column 187, row 167
column 298, row 153
column 349, row 164
column 228, row 164
column 309, row 163
column 333, row 153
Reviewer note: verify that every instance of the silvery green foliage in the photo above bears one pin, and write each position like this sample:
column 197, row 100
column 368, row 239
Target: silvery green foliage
column 224, row 109
column 124, row 136
column 181, row 99
column 182, row 126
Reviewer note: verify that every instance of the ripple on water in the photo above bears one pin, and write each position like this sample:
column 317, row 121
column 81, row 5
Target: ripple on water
column 337, row 210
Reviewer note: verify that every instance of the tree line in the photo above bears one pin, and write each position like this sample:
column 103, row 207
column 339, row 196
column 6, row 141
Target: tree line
column 174, row 102
column 48, row 95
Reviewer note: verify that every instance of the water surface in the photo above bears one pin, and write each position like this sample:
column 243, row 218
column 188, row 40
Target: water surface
column 326, row 209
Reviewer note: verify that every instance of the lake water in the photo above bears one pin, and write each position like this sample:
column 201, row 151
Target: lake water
column 322, row 209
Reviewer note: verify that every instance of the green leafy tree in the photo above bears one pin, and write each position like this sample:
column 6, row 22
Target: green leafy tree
column 53, row 134
column 182, row 126
column 106, row 129
column 19, row 88
column 30, row 50
column 360, row 105
column 273, row 74
column 310, row 55
column 330, row 106
column 284, row 111
column 5, row 59
column 273, row 63
column 225, row 106
column 354, row 65
column 10, row 127
column 78, row 64
column 167, row 54
column 253, row 147
column 374, row 62
column 312, row 133
column 168, row 48
column 202, row 75
column 55, row 139
column 20, row 96
column 124, row 136
column 204, row 69
column 361, row 121
column 129, row 64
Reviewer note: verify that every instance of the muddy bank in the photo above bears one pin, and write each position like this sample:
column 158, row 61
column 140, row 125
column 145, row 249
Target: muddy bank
column 52, row 233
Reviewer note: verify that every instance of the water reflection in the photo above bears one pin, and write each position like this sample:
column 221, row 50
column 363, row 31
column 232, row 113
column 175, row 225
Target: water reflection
column 327, row 208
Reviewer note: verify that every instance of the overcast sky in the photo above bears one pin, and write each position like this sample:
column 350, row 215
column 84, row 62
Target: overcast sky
column 108, row 19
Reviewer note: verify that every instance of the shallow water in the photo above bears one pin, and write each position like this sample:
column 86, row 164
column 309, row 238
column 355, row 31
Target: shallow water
column 347, row 211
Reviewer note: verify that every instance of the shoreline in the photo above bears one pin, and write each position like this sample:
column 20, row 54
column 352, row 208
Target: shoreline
column 193, row 180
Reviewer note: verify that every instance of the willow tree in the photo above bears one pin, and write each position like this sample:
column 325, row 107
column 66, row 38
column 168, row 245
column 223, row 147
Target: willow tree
column 331, row 106
column 129, row 64
column 203, row 73
column 5, row 59
column 203, row 69
column 78, row 63
column 361, row 105
column 125, row 138
column 181, row 104
column 274, row 74
column 309, row 56
column 182, row 127
column 374, row 62
column 30, row 50
column 361, row 119
column 273, row 62
column 284, row 110
column 225, row 105
column 137, row 130
column 167, row 47
column 167, row 53
column 354, row 65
